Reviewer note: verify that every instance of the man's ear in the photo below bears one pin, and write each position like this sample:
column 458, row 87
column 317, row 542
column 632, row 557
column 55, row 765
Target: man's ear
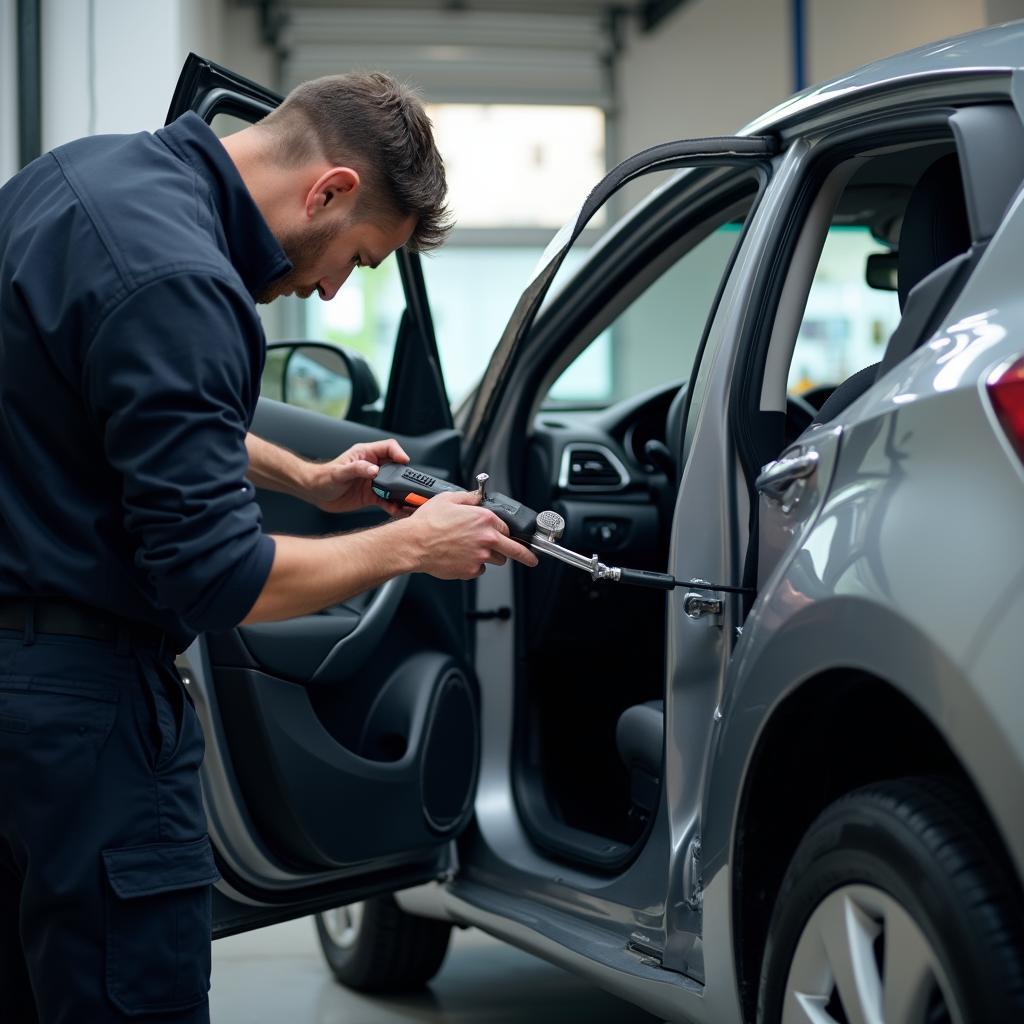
column 335, row 190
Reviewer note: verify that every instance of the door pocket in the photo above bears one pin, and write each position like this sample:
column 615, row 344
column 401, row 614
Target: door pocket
column 158, row 925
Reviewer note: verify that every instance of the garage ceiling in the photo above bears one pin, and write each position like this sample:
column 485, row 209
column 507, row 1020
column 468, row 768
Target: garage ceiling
column 649, row 11
column 482, row 51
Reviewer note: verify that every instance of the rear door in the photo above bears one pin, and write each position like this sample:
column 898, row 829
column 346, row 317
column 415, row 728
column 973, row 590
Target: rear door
column 342, row 747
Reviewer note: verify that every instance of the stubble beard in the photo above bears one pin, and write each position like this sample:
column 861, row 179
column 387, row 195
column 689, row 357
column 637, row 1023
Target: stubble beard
column 305, row 250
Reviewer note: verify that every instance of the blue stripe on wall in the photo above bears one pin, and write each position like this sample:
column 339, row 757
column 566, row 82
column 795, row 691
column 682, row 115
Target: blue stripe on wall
column 799, row 45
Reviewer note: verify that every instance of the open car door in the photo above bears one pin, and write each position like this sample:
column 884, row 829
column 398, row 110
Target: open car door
column 341, row 747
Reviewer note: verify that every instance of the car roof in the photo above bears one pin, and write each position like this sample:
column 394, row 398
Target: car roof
column 987, row 51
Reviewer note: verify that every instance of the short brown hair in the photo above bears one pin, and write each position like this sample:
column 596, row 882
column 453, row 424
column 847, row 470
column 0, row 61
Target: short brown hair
column 377, row 126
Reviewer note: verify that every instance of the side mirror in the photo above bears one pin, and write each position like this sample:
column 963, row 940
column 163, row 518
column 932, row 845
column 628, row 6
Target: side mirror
column 324, row 378
column 882, row 271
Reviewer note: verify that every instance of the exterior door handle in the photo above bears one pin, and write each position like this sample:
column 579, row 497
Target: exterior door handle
column 777, row 480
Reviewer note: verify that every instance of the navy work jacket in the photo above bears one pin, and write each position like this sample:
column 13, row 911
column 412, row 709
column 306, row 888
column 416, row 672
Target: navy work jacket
column 130, row 363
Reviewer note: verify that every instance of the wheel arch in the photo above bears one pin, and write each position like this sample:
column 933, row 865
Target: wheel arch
column 812, row 768
column 899, row 705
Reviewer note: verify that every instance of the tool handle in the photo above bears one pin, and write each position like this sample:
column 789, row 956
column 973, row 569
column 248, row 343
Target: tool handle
column 643, row 578
column 408, row 485
column 520, row 520
column 412, row 487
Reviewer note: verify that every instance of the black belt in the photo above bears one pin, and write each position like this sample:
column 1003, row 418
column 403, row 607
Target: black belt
column 66, row 618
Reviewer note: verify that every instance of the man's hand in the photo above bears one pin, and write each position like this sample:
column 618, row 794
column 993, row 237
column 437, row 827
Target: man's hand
column 454, row 539
column 343, row 484
column 450, row 537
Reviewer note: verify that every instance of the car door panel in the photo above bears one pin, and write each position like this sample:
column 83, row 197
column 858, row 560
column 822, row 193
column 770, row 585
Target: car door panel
column 320, row 803
column 330, row 646
column 331, row 718
column 669, row 922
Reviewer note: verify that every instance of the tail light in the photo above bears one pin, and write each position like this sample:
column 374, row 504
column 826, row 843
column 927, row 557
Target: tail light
column 1006, row 391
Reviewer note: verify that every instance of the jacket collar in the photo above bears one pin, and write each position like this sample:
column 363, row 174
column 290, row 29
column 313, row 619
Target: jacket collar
column 252, row 248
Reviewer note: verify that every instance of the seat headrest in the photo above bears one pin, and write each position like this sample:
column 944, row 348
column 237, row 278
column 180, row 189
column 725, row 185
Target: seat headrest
column 935, row 227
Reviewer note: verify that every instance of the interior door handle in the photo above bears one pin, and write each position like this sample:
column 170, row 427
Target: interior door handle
column 325, row 648
column 778, row 477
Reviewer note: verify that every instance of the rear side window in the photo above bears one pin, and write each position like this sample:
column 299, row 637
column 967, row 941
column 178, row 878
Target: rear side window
column 847, row 320
column 877, row 249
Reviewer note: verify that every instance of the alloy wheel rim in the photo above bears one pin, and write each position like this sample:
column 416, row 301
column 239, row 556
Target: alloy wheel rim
column 343, row 924
column 862, row 959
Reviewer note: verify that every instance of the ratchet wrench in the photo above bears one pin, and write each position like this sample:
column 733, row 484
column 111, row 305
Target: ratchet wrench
column 540, row 531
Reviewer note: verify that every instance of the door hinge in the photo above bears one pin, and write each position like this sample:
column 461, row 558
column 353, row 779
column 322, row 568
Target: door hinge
column 698, row 605
column 503, row 614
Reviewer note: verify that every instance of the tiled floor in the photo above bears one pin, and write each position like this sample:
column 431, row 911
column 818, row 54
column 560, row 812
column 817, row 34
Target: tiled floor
column 278, row 976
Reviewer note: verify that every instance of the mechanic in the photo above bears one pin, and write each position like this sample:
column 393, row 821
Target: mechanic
column 130, row 362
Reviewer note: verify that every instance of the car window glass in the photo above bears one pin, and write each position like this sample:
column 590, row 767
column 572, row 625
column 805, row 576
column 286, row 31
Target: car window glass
column 473, row 291
column 654, row 340
column 227, row 124
column 846, row 322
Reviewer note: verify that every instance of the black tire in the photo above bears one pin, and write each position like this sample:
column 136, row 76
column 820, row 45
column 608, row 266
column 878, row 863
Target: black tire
column 389, row 951
column 923, row 845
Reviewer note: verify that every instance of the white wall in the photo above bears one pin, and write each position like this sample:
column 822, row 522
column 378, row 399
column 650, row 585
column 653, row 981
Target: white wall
column 713, row 65
column 112, row 76
column 708, row 68
column 843, row 35
column 8, row 91
column 243, row 50
column 998, row 11
column 123, row 81
column 201, row 28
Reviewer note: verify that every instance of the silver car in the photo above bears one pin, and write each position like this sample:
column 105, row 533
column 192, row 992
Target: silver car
column 789, row 788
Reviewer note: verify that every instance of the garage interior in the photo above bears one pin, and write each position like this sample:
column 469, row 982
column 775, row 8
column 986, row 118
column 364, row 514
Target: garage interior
column 533, row 101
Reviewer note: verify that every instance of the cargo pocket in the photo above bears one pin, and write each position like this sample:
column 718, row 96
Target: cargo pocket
column 158, row 925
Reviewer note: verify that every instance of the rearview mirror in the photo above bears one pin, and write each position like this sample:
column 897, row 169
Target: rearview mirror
column 324, row 378
column 882, row 271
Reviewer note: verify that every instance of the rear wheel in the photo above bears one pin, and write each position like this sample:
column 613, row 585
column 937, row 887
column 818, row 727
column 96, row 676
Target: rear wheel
column 896, row 909
column 374, row 946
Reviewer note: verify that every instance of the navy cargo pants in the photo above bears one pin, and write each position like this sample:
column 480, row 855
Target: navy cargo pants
column 105, row 865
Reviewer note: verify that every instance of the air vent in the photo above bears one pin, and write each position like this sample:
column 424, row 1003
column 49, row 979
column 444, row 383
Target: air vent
column 591, row 468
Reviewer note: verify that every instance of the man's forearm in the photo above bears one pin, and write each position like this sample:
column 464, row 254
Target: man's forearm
column 310, row 573
column 451, row 537
column 277, row 469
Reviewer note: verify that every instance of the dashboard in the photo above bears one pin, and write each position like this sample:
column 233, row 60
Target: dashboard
column 612, row 472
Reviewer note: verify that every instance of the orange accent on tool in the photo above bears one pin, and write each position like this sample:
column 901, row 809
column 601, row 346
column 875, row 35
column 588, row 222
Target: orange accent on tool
column 415, row 499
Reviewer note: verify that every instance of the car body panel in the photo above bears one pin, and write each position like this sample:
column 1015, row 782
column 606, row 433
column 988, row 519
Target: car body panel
column 878, row 583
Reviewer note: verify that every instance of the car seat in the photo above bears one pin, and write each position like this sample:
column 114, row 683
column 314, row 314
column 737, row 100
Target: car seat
column 934, row 245
column 639, row 735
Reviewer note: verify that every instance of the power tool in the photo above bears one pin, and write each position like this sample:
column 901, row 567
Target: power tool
column 540, row 531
